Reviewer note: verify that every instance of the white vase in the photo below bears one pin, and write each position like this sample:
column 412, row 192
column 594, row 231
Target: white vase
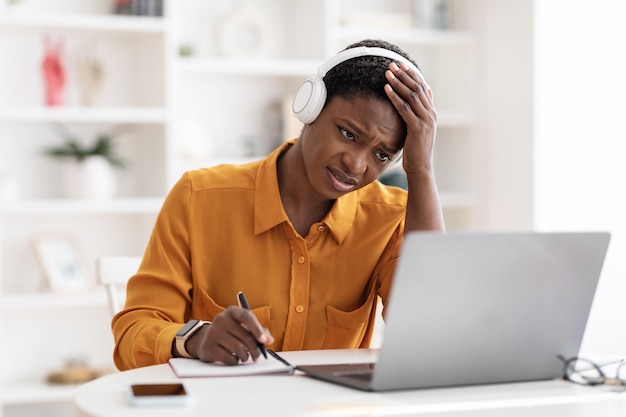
column 92, row 178
column 430, row 14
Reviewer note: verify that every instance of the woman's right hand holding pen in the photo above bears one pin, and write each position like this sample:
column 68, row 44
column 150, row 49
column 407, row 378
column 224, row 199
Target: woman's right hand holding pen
column 232, row 337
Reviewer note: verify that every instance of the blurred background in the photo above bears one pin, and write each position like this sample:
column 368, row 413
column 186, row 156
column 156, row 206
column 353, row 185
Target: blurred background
column 104, row 104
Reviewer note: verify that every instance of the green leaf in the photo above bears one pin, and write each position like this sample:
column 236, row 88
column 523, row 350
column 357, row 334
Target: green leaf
column 72, row 148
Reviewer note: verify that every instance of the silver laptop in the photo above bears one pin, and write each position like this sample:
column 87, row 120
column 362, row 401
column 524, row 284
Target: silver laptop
column 479, row 308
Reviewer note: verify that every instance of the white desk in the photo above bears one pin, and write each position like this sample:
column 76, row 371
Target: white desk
column 298, row 395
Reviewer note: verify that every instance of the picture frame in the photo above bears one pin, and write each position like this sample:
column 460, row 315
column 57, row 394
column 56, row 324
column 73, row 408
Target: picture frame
column 61, row 261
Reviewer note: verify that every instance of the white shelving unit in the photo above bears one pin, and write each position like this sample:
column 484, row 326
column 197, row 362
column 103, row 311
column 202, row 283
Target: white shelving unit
column 175, row 113
column 55, row 327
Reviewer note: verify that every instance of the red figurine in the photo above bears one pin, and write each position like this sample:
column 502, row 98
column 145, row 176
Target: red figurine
column 53, row 73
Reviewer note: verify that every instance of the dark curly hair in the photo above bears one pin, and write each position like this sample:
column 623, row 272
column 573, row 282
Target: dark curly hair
column 362, row 76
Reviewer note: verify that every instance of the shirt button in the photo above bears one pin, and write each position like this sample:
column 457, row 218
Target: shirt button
column 301, row 260
column 299, row 308
column 320, row 228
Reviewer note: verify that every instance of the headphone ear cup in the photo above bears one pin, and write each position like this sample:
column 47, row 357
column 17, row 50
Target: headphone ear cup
column 309, row 100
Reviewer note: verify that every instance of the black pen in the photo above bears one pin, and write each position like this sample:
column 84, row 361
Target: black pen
column 243, row 303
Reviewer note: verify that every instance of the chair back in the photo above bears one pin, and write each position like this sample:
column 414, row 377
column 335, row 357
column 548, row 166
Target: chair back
column 113, row 273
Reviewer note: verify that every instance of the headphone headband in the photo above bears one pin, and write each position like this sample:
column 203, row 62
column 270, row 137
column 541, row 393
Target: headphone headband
column 359, row 51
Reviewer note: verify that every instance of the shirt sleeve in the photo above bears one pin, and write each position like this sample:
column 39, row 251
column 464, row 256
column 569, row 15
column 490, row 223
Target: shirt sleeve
column 158, row 297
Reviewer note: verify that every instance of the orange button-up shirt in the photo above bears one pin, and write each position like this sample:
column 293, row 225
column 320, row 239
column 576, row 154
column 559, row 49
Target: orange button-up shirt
column 223, row 229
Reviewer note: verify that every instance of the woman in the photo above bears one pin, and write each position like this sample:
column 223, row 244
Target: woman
column 308, row 234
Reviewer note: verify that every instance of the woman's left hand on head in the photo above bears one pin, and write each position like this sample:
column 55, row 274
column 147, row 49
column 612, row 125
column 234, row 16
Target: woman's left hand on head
column 413, row 100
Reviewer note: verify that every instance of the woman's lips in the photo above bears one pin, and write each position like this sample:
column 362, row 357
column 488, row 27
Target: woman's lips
column 340, row 181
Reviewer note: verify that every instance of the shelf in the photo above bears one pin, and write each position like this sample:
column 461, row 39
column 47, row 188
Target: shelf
column 407, row 36
column 49, row 206
column 95, row 297
column 155, row 115
column 36, row 392
column 237, row 160
column 92, row 23
column 147, row 115
column 268, row 67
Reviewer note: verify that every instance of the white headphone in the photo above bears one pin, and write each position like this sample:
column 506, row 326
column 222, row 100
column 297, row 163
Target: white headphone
column 311, row 95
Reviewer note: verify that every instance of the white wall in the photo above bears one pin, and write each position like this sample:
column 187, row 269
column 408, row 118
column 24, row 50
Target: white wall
column 580, row 169
column 505, row 110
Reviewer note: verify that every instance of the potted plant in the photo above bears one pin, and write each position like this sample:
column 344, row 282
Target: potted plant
column 88, row 168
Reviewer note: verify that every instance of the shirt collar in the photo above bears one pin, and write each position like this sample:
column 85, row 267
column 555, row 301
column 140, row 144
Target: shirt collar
column 341, row 216
column 268, row 207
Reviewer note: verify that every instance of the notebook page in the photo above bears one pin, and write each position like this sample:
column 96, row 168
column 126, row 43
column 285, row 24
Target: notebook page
column 184, row 367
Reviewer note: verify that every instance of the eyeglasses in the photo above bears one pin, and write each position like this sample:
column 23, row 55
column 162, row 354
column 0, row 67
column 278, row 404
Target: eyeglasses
column 585, row 372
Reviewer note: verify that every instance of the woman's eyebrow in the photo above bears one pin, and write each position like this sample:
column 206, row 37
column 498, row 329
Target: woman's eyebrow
column 353, row 127
column 389, row 149
column 360, row 132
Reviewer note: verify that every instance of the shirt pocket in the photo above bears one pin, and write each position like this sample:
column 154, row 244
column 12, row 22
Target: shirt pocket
column 205, row 308
column 346, row 329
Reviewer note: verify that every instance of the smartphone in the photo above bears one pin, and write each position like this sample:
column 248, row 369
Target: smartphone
column 168, row 394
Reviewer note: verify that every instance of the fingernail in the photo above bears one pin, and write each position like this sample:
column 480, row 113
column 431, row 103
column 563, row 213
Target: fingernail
column 394, row 66
column 391, row 74
column 263, row 338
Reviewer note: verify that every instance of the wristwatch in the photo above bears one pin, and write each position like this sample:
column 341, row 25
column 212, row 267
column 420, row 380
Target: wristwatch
column 185, row 332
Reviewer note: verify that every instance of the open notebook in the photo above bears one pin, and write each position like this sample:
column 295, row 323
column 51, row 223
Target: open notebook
column 184, row 367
